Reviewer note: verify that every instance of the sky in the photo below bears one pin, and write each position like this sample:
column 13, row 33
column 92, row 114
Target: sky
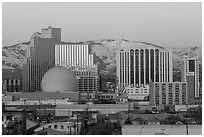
column 164, row 24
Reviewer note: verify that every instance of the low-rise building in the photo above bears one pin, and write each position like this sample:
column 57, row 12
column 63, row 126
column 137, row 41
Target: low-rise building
column 66, row 127
column 137, row 93
column 12, row 85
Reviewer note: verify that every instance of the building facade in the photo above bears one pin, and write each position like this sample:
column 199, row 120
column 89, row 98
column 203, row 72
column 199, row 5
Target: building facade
column 191, row 91
column 168, row 93
column 135, row 93
column 137, row 66
column 12, row 85
column 39, row 57
column 190, row 68
column 80, row 61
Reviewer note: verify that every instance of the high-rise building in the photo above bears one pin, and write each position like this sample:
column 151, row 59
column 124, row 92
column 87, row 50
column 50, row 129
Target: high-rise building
column 39, row 57
column 80, row 61
column 190, row 68
column 168, row 93
column 136, row 66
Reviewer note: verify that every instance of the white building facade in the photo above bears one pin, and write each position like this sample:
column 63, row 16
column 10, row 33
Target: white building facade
column 80, row 61
column 138, row 66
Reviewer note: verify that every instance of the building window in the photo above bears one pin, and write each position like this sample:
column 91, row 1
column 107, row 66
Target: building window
column 62, row 127
column 55, row 126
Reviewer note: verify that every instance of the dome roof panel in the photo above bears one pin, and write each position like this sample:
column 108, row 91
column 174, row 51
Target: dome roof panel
column 59, row 79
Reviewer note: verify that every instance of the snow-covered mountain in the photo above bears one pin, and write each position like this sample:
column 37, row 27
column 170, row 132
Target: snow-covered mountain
column 105, row 51
column 12, row 56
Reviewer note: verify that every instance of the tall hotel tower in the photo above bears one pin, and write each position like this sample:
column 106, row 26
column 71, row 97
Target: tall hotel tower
column 80, row 61
column 137, row 66
column 190, row 71
column 39, row 57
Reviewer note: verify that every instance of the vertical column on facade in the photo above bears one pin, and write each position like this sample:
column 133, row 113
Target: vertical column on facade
column 144, row 57
column 68, row 56
column 162, row 71
column 139, row 66
column 129, row 66
column 124, row 69
column 77, row 54
column 121, row 69
column 149, row 64
column 164, row 66
column 67, row 52
column 197, row 77
column 88, row 56
column 134, row 67
column 170, row 67
column 80, row 55
column 167, row 66
column 63, row 55
column 74, row 55
column 30, row 76
column 60, row 54
column 83, row 55
column 126, row 61
column 71, row 55
column 118, row 68
column 159, row 66
column 154, row 65
column 56, row 55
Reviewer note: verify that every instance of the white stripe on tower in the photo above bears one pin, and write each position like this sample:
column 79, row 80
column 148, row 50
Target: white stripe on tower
column 63, row 55
column 149, row 65
column 87, row 55
column 76, row 54
column 69, row 55
column 159, row 67
column 123, row 69
column 144, row 66
column 134, row 67
column 60, row 55
column 164, row 66
column 82, row 53
column 154, row 65
column 139, row 69
column 129, row 67
column 72, row 55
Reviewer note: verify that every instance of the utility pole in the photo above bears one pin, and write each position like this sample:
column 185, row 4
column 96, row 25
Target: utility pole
column 77, row 124
column 187, row 119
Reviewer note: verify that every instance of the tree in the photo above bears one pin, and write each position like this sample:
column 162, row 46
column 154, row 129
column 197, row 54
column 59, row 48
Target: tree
column 196, row 114
column 172, row 119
